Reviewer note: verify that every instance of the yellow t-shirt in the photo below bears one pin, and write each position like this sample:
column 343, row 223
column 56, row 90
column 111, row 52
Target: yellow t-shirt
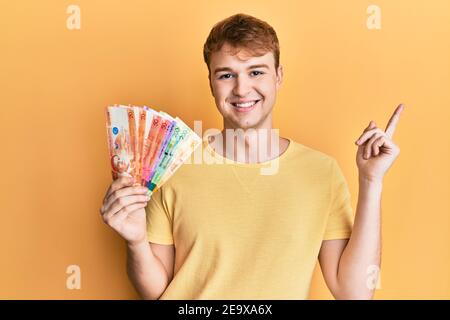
column 239, row 234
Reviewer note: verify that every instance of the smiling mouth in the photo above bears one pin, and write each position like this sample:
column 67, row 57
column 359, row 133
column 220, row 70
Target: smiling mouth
column 245, row 105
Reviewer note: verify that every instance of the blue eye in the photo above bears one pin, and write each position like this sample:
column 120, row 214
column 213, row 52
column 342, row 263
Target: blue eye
column 225, row 76
column 257, row 73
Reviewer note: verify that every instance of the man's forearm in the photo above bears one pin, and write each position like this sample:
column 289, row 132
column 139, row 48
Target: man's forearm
column 146, row 271
column 362, row 255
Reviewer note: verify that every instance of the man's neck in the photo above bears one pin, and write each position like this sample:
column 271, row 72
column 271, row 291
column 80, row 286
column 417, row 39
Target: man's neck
column 249, row 146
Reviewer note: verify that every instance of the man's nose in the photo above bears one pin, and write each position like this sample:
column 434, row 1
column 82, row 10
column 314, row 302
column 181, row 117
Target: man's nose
column 241, row 88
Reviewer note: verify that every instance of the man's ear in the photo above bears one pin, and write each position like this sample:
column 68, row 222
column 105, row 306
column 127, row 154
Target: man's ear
column 279, row 76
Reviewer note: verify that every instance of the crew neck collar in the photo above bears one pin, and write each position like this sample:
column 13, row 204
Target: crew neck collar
column 225, row 160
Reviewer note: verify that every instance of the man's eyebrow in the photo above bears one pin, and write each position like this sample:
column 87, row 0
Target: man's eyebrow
column 250, row 67
column 222, row 69
column 258, row 66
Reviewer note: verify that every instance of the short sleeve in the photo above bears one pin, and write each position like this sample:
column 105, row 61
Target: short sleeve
column 340, row 214
column 159, row 222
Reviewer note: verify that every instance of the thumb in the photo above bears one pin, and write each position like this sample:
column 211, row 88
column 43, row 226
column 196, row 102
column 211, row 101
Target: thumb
column 371, row 125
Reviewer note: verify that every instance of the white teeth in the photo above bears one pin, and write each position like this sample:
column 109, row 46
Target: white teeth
column 245, row 105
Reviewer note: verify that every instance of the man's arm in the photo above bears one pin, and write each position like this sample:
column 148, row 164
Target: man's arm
column 149, row 275
column 351, row 269
column 149, row 265
column 348, row 265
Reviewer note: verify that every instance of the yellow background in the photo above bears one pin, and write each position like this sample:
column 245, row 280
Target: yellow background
column 339, row 75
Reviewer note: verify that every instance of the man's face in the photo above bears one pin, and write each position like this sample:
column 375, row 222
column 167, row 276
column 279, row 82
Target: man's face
column 244, row 87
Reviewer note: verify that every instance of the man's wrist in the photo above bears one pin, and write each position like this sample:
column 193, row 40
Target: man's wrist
column 134, row 245
column 370, row 180
column 370, row 184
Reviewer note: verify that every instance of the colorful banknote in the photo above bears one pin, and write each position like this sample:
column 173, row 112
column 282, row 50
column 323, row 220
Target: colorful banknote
column 146, row 144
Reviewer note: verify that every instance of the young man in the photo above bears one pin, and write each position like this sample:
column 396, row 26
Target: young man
column 226, row 231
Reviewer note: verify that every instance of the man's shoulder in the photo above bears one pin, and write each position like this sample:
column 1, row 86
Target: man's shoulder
column 309, row 154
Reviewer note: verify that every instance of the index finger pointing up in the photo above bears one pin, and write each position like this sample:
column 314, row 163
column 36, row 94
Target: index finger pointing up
column 392, row 124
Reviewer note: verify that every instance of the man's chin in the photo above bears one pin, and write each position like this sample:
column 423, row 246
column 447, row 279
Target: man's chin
column 253, row 119
column 245, row 124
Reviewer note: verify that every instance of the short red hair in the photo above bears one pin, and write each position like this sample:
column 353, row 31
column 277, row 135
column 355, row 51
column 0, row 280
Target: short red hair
column 243, row 31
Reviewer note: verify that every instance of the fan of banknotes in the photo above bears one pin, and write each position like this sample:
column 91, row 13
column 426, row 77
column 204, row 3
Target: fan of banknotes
column 146, row 144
